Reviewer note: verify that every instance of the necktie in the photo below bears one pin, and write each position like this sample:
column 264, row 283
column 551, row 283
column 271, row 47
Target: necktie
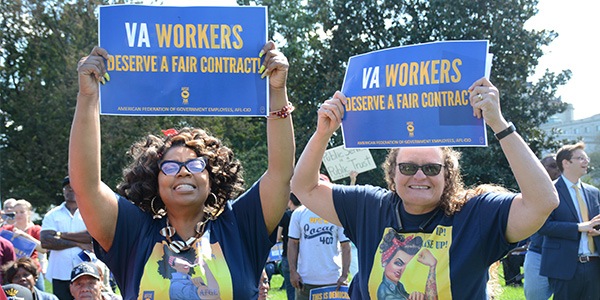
column 584, row 215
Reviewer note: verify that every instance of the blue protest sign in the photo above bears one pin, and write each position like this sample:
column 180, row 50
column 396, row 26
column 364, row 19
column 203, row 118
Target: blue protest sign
column 23, row 246
column 414, row 96
column 276, row 252
column 183, row 60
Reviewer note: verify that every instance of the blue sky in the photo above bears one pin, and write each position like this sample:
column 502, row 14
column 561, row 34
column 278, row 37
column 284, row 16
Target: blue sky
column 577, row 23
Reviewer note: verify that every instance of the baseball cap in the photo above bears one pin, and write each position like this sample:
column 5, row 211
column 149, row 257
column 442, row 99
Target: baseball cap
column 85, row 268
column 17, row 292
column 66, row 181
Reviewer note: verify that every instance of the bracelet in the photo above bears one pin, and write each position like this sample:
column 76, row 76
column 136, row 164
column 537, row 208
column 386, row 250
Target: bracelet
column 502, row 134
column 283, row 113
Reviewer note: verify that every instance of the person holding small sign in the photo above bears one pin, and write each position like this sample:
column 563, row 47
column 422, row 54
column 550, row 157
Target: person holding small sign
column 424, row 200
column 175, row 199
column 24, row 227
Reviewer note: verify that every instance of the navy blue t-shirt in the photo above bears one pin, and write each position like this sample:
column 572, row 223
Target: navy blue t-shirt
column 451, row 253
column 227, row 261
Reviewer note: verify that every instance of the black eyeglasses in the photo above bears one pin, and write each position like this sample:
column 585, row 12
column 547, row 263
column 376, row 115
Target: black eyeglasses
column 411, row 169
column 172, row 167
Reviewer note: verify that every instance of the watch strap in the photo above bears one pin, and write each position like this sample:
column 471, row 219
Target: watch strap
column 502, row 134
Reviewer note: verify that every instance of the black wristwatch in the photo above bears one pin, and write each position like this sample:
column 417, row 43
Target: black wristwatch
column 502, row 134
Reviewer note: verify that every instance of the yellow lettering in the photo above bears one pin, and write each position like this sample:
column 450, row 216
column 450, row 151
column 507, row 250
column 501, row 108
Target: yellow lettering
column 424, row 72
column 239, row 43
column 403, row 74
column 225, row 37
column 164, row 65
column 208, row 36
column 391, row 72
column 190, row 33
column 445, row 71
column 457, row 75
column 163, row 33
column 434, row 71
column 214, row 36
column 414, row 72
column 178, row 36
column 202, row 37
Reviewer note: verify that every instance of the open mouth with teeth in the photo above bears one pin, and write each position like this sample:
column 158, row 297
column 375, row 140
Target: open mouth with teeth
column 185, row 187
column 419, row 187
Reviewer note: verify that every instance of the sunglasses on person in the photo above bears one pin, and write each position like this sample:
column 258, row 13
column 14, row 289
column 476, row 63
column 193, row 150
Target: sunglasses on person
column 172, row 167
column 411, row 169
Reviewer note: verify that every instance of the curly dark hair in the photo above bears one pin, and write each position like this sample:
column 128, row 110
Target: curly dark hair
column 140, row 178
column 165, row 265
column 451, row 200
column 11, row 268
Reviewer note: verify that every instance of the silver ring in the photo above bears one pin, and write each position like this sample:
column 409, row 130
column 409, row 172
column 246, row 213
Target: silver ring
column 479, row 96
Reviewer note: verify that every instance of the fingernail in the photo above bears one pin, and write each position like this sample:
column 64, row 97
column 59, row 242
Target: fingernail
column 102, row 80
column 263, row 75
column 107, row 76
column 262, row 68
column 261, row 53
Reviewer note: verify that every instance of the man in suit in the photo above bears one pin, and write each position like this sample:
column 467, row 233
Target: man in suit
column 570, row 249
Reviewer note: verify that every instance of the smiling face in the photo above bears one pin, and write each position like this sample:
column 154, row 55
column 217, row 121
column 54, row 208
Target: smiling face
column 577, row 166
column 420, row 193
column 395, row 267
column 183, row 189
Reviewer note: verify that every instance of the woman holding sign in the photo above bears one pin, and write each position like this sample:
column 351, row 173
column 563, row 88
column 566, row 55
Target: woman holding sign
column 424, row 197
column 176, row 195
column 24, row 227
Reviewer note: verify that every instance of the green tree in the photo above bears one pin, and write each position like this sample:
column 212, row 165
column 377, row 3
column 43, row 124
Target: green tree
column 340, row 29
column 41, row 43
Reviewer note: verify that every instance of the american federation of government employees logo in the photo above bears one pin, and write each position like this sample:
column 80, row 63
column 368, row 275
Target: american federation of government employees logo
column 148, row 295
column 410, row 127
column 185, row 94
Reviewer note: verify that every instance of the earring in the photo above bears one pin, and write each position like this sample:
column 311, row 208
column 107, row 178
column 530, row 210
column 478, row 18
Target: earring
column 156, row 214
column 215, row 210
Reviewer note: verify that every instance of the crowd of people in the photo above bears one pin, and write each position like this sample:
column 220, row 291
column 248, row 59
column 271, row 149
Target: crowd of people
column 181, row 226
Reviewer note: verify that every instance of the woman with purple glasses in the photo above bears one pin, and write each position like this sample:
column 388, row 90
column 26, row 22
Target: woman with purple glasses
column 425, row 199
column 176, row 196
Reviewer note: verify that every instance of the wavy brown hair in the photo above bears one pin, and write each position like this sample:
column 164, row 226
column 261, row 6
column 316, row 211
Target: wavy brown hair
column 140, row 178
column 451, row 200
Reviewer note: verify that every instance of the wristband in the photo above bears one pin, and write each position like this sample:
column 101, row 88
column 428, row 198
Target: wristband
column 502, row 134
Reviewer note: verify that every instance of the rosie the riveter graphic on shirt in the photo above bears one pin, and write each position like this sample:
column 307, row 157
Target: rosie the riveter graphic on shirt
column 190, row 275
column 411, row 264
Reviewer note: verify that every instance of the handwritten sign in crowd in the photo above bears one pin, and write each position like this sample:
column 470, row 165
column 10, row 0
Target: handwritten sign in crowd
column 183, row 60
column 340, row 161
column 414, row 96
